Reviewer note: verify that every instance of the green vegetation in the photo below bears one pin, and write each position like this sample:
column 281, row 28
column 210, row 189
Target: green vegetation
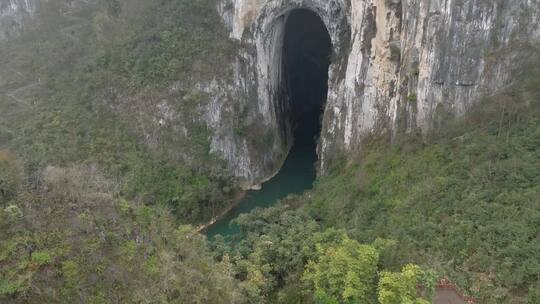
column 82, row 67
column 402, row 287
column 9, row 176
column 90, row 205
column 74, row 238
column 94, row 208
column 284, row 256
column 464, row 202
column 178, row 39
column 343, row 273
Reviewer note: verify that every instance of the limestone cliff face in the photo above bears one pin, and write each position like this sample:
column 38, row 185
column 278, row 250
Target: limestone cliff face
column 398, row 66
column 12, row 14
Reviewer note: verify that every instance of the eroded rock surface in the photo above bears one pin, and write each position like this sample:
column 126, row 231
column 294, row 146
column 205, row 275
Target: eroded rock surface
column 12, row 14
column 397, row 66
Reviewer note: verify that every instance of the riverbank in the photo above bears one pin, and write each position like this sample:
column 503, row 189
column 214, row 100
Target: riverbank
column 295, row 176
column 237, row 200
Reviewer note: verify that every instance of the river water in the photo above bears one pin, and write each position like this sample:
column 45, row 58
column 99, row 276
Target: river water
column 297, row 175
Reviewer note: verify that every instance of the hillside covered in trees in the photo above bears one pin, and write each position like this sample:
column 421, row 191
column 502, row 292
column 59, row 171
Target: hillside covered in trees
column 93, row 212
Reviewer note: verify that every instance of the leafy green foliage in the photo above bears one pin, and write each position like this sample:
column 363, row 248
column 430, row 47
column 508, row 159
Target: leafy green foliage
column 277, row 242
column 283, row 256
column 81, row 65
column 72, row 235
column 343, row 274
column 185, row 41
column 402, row 287
column 464, row 202
column 192, row 197
column 9, row 177
column 80, row 241
column 41, row 258
column 470, row 192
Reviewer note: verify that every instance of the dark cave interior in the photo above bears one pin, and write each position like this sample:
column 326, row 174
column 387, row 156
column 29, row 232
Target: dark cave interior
column 307, row 51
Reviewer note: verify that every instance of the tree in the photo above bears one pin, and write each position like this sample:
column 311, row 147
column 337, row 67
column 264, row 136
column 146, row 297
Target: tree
column 402, row 287
column 9, row 177
column 344, row 273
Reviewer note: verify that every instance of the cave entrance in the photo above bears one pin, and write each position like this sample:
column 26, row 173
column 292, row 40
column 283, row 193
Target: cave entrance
column 299, row 55
column 307, row 49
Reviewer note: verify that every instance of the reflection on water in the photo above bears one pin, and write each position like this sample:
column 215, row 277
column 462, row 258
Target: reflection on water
column 306, row 58
column 296, row 176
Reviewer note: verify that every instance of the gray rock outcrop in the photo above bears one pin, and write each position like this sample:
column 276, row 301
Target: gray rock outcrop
column 398, row 65
column 12, row 15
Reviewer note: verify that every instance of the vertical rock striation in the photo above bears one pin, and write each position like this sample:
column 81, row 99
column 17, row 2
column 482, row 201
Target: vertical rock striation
column 12, row 14
column 398, row 66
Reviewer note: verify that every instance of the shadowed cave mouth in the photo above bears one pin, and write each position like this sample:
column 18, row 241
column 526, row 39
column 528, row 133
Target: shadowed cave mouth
column 303, row 89
column 306, row 58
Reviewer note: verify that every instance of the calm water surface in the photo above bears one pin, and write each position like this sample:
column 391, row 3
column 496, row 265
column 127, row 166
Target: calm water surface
column 296, row 176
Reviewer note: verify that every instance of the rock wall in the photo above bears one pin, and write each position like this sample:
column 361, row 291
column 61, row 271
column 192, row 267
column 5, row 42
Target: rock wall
column 398, row 66
column 12, row 15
